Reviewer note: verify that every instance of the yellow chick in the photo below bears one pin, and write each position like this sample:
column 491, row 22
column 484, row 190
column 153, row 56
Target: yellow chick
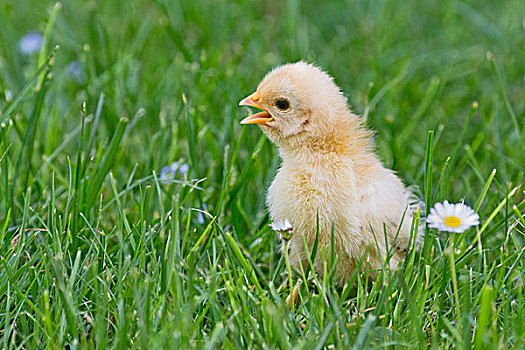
column 329, row 172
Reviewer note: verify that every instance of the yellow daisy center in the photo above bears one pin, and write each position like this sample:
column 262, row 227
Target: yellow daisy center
column 452, row 221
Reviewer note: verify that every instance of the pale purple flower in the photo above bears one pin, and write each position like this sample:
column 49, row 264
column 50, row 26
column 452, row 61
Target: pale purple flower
column 169, row 171
column 165, row 173
column 183, row 169
column 173, row 169
column 75, row 71
column 31, row 42
column 200, row 216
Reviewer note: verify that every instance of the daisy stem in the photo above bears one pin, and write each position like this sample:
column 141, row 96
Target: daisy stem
column 454, row 279
column 289, row 269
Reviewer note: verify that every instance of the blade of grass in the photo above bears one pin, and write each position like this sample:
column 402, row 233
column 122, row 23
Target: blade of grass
column 76, row 183
column 484, row 191
column 503, row 92
column 192, row 140
column 428, row 171
column 107, row 162
column 26, row 153
column 21, row 94
column 484, row 316
column 47, row 33
column 492, row 216
column 249, row 269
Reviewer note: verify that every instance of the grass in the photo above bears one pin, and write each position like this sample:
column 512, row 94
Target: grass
column 97, row 251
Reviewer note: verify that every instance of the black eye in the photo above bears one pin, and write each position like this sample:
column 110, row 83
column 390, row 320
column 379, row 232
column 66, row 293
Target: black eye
column 282, row 104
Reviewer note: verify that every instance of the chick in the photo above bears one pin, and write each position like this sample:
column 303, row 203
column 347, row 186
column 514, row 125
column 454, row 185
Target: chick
column 329, row 178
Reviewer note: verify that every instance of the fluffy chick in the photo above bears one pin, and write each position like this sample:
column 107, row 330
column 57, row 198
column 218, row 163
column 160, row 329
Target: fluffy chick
column 329, row 172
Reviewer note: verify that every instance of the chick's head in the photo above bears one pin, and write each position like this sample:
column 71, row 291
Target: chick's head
column 298, row 101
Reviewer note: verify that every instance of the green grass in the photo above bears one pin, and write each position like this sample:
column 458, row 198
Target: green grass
column 98, row 252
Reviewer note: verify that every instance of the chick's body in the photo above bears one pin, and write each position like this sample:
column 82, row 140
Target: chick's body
column 330, row 180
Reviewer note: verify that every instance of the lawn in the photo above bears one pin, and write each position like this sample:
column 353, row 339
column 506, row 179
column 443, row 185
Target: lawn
column 132, row 202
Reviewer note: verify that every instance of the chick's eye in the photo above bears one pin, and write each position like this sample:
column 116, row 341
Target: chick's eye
column 282, row 104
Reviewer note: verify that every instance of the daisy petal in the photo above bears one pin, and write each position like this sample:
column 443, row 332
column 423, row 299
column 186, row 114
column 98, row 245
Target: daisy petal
column 452, row 217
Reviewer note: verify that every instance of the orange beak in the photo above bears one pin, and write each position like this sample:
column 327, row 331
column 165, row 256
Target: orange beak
column 257, row 118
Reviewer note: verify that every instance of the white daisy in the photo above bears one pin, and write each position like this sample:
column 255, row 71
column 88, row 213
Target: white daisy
column 452, row 217
column 283, row 227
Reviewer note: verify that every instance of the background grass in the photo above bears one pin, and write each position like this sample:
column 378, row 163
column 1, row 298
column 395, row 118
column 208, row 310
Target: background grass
column 98, row 251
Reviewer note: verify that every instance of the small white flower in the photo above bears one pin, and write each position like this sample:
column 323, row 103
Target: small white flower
column 8, row 95
column 452, row 217
column 283, row 227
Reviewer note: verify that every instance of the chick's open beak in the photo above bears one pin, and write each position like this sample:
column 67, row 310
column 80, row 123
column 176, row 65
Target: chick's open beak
column 257, row 118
